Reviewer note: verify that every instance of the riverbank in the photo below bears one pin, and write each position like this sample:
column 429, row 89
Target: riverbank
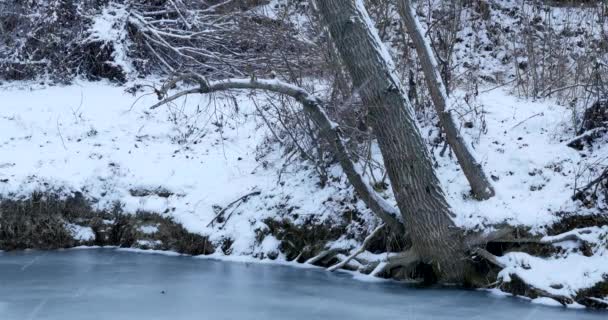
column 90, row 164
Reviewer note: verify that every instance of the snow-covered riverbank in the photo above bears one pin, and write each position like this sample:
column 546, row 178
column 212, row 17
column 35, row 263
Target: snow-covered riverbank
column 189, row 161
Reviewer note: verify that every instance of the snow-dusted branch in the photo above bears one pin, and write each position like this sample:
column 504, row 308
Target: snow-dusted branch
column 215, row 39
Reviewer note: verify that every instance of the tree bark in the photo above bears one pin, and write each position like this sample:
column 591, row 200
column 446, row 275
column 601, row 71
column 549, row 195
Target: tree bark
column 480, row 185
column 425, row 211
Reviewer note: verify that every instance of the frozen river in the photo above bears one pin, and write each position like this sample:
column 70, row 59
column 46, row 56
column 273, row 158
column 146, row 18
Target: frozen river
column 111, row 284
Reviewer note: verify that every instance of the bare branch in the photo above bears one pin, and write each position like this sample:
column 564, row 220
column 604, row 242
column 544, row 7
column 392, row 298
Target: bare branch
column 240, row 199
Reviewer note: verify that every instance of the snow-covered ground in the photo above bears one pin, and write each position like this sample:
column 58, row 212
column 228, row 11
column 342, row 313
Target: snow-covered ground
column 186, row 159
column 180, row 160
column 524, row 151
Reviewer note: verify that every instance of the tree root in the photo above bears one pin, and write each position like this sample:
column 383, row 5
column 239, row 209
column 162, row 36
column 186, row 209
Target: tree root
column 330, row 253
column 359, row 251
column 490, row 257
column 504, row 235
column 530, row 289
column 567, row 236
column 404, row 259
column 477, row 240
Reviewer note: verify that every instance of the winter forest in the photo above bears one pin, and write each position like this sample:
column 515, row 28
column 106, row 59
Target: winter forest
column 303, row 159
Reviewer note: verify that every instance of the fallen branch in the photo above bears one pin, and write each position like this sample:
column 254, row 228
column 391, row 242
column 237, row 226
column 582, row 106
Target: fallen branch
column 359, row 251
column 239, row 200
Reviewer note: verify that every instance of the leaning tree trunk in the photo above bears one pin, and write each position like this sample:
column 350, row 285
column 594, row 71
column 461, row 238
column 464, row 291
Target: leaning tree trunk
column 426, row 213
column 480, row 185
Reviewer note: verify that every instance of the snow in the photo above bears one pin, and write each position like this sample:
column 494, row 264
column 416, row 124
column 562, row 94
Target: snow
column 546, row 301
column 557, row 275
column 148, row 229
column 81, row 233
column 524, row 150
column 150, row 251
column 110, row 27
column 179, row 160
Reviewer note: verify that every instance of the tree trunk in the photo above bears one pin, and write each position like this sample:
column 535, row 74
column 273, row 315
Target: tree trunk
column 425, row 211
column 480, row 185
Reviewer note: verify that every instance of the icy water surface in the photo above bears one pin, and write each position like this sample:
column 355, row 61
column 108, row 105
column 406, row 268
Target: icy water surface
column 111, row 284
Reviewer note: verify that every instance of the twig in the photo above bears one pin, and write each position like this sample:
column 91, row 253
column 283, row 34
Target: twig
column 528, row 118
column 490, row 257
column 243, row 198
column 60, row 136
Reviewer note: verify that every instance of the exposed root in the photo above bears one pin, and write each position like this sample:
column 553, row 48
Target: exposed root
column 524, row 287
column 330, row 253
column 518, row 286
column 359, row 251
column 404, row 259
column 490, row 257
column 477, row 240
column 505, row 235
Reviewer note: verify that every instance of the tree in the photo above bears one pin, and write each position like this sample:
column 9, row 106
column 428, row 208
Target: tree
column 426, row 218
column 435, row 238
column 480, row 185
